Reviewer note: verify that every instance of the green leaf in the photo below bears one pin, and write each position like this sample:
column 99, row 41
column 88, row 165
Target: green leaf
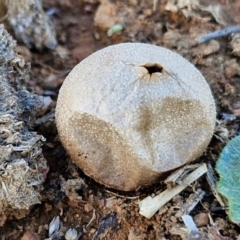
column 114, row 29
column 228, row 168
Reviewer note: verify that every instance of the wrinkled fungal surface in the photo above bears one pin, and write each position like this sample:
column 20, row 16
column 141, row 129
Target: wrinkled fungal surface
column 132, row 111
column 22, row 165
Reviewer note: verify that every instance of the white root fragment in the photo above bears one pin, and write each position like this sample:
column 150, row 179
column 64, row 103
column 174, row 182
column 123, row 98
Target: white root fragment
column 155, row 4
column 212, row 181
column 193, row 200
column 179, row 174
column 92, row 219
column 190, row 204
column 149, row 206
column 190, row 224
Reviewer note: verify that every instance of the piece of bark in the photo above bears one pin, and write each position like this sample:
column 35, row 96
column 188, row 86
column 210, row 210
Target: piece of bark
column 30, row 24
column 22, row 165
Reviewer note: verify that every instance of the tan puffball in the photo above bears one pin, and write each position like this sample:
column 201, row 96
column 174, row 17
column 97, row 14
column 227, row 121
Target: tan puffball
column 132, row 111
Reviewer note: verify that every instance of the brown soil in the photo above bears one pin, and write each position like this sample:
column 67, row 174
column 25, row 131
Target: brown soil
column 96, row 212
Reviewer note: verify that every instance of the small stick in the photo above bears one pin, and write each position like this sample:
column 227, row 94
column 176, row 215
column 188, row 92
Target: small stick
column 45, row 118
column 193, row 200
column 149, row 206
column 212, row 181
column 190, row 224
column 219, row 33
column 121, row 196
column 155, row 3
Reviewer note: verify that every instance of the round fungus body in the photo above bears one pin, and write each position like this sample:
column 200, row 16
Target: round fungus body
column 132, row 111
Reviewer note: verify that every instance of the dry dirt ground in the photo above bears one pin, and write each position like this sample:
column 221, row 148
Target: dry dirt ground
column 81, row 203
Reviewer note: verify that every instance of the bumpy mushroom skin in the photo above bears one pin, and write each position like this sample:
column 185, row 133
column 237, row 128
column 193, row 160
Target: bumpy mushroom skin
column 132, row 111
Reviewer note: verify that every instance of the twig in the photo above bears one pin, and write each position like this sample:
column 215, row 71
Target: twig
column 121, row 196
column 27, row 145
column 45, row 118
column 155, row 3
column 52, row 69
column 93, row 217
column 149, row 206
column 211, row 179
column 193, row 200
column 5, row 190
column 219, row 33
column 178, row 175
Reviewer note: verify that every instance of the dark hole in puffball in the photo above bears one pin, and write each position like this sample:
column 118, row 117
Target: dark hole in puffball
column 153, row 68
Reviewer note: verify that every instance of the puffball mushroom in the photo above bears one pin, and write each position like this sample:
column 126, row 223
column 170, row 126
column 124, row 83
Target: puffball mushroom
column 131, row 112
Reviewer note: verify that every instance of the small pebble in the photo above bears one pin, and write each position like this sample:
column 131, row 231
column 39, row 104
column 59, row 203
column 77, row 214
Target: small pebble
column 30, row 236
column 88, row 207
column 201, row 219
column 92, row 231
